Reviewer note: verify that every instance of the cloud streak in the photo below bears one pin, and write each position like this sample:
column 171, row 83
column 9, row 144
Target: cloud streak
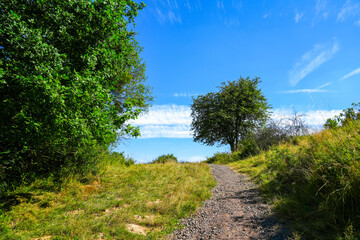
column 298, row 17
column 355, row 72
column 312, row 90
column 306, row 91
column 173, row 121
column 220, row 5
column 165, row 131
column 321, row 9
column 185, row 94
column 167, row 11
column 311, row 60
column 165, row 121
column 166, row 115
column 348, row 10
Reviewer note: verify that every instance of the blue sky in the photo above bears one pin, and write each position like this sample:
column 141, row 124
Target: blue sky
column 306, row 52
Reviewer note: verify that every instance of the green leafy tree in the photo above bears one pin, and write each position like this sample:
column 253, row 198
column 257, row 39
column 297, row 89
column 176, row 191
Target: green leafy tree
column 229, row 115
column 71, row 77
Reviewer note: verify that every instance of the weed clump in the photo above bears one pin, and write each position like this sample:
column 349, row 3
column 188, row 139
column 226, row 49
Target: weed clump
column 165, row 159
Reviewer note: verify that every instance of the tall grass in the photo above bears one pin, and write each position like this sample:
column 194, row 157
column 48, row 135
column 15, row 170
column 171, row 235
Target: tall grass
column 123, row 201
column 314, row 181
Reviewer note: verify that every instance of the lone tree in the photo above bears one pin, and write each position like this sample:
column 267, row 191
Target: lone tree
column 70, row 78
column 229, row 115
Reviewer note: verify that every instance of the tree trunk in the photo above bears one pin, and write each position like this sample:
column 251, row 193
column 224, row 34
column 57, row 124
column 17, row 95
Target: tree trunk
column 232, row 147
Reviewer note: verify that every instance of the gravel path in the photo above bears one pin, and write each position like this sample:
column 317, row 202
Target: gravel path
column 235, row 211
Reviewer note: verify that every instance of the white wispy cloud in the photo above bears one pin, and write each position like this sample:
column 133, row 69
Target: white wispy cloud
column 196, row 159
column 173, row 18
column 312, row 118
column 172, row 4
column 186, row 94
column 324, row 85
column 220, row 5
column 165, row 131
column 165, row 121
column 187, row 5
column 311, row 60
column 166, row 115
column 298, row 17
column 232, row 21
column 311, row 90
column 321, row 9
column 167, row 11
column 306, row 91
column 356, row 71
column 173, row 121
column 348, row 10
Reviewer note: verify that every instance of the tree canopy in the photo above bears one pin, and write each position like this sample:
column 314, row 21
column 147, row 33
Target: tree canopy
column 70, row 78
column 229, row 115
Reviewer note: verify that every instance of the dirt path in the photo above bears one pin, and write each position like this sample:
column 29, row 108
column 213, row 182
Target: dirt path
column 235, row 211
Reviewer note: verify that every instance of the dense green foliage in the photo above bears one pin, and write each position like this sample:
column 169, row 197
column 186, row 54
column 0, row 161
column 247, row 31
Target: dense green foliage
column 229, row 115
column 314, row 181
column 70, row 78
column 165, row 158
column 349, row 114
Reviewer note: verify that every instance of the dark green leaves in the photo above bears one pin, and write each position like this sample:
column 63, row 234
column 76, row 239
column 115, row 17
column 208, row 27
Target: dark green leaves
column 227, row 116
column 71, row 77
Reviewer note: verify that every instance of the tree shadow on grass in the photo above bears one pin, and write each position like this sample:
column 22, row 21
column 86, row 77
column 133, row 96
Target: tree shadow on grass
column 11, row 200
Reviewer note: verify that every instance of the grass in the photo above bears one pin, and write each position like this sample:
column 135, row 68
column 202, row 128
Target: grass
column 142, row 201
column 313, row 182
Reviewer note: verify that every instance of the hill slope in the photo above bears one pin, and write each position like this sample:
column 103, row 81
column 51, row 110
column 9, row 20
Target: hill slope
column 314, row 181
column 141, row 201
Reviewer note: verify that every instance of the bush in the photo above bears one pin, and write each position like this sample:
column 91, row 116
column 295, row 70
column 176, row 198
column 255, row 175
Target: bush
column 165, row 158
column 274, row 132
column 119, row 158
column 323, row 177
column 346, row 116
column 70, row 78
column 223, row 158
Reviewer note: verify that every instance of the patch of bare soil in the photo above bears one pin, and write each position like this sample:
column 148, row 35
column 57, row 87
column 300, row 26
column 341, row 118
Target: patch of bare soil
column 137, row 229
column 235, row 211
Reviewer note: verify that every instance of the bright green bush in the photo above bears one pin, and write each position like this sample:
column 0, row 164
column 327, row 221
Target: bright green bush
column 165, row 158
column 70, row 78
column 349, row 114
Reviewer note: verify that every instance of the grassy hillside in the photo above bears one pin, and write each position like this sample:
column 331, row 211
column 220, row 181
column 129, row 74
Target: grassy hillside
column 141, row 201
column 313, row 181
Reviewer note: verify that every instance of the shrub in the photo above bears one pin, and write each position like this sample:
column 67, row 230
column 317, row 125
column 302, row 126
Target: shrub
column 70, row 78
column 165, row 158
column 266, row 136
column 323, row 177
column 346, row 116
column 223, row 158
